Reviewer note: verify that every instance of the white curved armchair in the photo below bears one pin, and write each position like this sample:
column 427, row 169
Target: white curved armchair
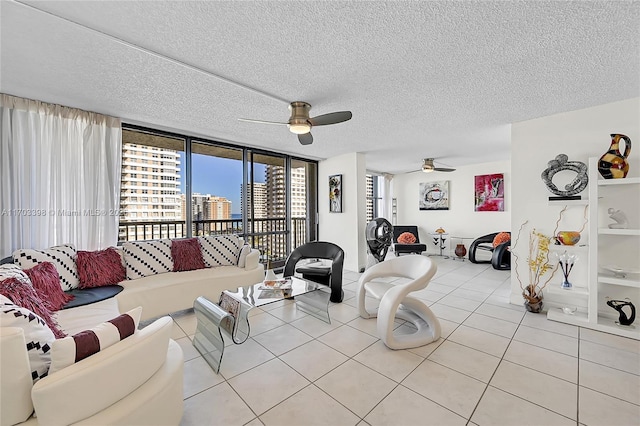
column 395, row 300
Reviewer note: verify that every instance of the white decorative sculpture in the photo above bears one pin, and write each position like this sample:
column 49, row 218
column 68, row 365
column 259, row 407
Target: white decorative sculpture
column 619, row 217
column 395, row 300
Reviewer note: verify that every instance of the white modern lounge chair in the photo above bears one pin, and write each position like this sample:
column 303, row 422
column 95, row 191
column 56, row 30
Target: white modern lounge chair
column 396, row 301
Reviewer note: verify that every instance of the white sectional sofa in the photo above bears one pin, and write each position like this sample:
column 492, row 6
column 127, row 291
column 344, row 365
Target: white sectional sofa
column 137, row 381
column 175, row 291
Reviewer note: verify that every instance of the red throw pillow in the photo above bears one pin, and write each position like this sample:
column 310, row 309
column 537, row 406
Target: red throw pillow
column 407, row 238
column 46, row 281
column 100, row 268
column 24, row 295
column 502, row 237
column 186, row 255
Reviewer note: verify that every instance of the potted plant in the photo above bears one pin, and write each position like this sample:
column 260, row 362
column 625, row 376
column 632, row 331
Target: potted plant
column 538, row 265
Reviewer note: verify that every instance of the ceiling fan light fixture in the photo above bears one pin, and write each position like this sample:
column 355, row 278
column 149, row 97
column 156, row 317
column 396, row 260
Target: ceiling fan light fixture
column 427, row 169
column 300, row 128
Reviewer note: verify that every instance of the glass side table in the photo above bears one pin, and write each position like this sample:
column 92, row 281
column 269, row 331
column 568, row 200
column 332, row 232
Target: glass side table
column 441, row 243
column 460, row 250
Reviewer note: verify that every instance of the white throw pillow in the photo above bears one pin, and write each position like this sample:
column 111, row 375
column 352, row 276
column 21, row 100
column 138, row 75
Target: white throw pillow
column 244, row 252
column 72, row 349
column 219, row 250
column 144, row 258
column 37, row 334
column 63, row 258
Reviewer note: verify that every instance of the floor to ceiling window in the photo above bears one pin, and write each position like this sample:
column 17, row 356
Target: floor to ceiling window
column 374, row 197
column 176, row 186
column 152, row 186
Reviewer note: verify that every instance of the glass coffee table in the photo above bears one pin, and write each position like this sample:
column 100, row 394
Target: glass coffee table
column 230, row 316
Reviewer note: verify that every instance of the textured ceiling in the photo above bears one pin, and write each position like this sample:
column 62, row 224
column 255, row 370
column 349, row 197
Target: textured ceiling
column 423, row 79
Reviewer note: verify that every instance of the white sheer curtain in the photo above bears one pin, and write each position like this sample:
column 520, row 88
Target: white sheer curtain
column 387, row 195
column 60, row 176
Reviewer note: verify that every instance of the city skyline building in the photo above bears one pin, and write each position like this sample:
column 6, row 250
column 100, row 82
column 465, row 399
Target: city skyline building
column 206, row 207
column 150, row 188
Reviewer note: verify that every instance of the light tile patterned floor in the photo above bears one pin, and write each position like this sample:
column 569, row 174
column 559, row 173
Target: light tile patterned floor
column 494, row 365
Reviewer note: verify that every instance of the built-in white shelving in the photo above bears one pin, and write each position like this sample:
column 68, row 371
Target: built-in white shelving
column 568, row 202
column 601, row 284
column 608, row 231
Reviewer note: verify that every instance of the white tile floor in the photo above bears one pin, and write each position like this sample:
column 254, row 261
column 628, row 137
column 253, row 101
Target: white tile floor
column 494, row 365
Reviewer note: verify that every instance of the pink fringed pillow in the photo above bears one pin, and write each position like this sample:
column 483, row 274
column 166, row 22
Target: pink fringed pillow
column 186, row 255
column 406, row 238
column 100, row 268
column 46, row 281
column 24, row 295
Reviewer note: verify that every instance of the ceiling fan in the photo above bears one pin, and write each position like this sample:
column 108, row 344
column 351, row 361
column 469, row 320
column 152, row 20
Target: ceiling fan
column 300, row 123
column 428, row 167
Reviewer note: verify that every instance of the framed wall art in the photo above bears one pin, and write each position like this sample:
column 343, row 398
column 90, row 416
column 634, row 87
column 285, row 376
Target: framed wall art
column 335, row 194
column 489, row 193
column 434, row 195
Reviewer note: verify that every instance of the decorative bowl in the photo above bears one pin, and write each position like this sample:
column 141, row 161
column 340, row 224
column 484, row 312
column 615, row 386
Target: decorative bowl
column 568, row 238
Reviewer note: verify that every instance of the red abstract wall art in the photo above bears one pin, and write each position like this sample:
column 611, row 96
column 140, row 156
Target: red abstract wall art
column 489, row 192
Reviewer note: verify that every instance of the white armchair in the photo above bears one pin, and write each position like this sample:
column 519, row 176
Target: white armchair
column 395, row 300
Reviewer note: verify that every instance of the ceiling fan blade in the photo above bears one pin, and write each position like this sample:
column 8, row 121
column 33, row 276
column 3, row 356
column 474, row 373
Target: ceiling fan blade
column 249, row 120
column 305, row 138
column 443, row 169
column 331, row 118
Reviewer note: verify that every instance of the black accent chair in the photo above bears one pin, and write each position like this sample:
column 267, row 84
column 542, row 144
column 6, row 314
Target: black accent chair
column 416, row 247
column 330, row 275
column 500, row 255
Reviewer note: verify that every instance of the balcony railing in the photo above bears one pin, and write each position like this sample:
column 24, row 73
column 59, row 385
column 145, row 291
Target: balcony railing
column 269, row 235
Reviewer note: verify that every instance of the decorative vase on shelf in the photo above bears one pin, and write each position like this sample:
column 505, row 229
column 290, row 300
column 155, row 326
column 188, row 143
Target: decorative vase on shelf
column 613, row 164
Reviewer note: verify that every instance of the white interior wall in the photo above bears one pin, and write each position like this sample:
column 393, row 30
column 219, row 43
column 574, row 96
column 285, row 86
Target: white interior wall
column 346, row 229
column 461, row 220
column 579, row 134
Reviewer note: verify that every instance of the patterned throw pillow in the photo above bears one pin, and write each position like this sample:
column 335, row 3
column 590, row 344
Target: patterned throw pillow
column 63, row 258
column 144, row 258
column 46, row 281
column 72, row 349
column 38, row 336
column 100, row 268
column 502, row 237
column 186, row 255
column 21, row 292
column 406, row 238
column 220, row 250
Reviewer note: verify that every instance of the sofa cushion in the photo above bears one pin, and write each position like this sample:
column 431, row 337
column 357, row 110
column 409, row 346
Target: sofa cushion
column 63, row 258
column 186, row 255
column 46, row 281
column 72, row 349
column 38, row 336
column 100, row 268
column 21, row 292
column 220, row 250
column 87, row 296
column 144, row 258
